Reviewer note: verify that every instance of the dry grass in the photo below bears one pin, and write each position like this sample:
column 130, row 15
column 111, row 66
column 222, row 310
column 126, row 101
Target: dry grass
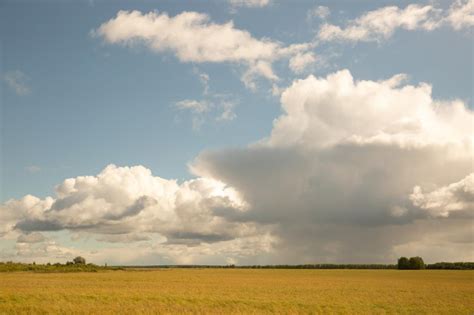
column 239, row 291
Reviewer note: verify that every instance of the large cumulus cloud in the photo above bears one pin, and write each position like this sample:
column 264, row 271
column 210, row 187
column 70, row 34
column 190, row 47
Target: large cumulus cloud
column 337, row 174
column 129, row 204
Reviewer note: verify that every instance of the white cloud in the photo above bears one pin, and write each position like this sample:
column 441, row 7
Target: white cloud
column 129, row 204
column 204, row 79
column 221, row 106
column 321, row 12
column 249, row 3
column 192, row 37
column 461, row 14
column 193, row 105
column 381, row 24
column 256, row 70
column 441, row 202
column 346, row 111
column 12, row 211
column 17, row 81
column 302, row 62
column 227, row 111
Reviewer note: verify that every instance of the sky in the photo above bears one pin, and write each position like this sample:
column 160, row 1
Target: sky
column 236, row 132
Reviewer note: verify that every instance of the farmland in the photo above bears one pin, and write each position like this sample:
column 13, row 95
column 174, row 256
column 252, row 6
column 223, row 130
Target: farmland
column 239, row 291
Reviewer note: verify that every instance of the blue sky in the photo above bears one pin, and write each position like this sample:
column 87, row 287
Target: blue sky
column 73, row 101
column 92, row 104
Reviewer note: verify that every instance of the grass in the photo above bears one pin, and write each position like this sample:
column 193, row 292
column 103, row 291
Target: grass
column 239, row 291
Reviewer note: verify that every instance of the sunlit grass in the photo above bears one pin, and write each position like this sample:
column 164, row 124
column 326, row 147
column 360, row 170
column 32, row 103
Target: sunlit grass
column 239, row 291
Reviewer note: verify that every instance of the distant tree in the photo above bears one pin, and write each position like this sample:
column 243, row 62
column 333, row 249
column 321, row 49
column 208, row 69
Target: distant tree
column 416, row 263
column 79, row 260
column 403, row 263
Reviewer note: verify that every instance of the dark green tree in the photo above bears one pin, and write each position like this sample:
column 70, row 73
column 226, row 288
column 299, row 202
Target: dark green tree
column 79, row 260
column 403, row 263
column 416, row 263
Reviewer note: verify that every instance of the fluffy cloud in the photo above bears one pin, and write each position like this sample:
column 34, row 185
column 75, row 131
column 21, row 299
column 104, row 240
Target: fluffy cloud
column 301, row 62
column 193, row 105
column 17, row 81
column 336, row 174
column 192, row 37
column 381, row 23
column 129, row 204
column 461, row 14
column 457, row 196
column 320, row 12
column 336, row 110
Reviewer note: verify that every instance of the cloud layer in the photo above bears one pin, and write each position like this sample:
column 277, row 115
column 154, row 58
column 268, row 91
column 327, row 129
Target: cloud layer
column 353, row 171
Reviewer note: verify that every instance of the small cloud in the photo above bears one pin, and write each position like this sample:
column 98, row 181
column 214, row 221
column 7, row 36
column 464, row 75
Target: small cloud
column 33, row 168
column 203, row 78
column 300, row 62
column 227, row 111
column 276, row 90
column 216, row 105
column 250, row 3
column 320, row 12
column 193, row 105
column 221, row 106
column 17, row 81
column 34, row 237
column 398, row 212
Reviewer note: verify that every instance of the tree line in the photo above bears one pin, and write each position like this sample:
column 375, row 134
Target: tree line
column 79, row 264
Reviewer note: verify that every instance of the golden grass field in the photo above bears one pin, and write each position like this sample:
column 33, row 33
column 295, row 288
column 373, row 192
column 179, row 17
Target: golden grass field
column 239, row 291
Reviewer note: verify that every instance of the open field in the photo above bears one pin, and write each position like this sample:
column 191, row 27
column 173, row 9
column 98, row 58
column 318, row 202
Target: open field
column 240, row 291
